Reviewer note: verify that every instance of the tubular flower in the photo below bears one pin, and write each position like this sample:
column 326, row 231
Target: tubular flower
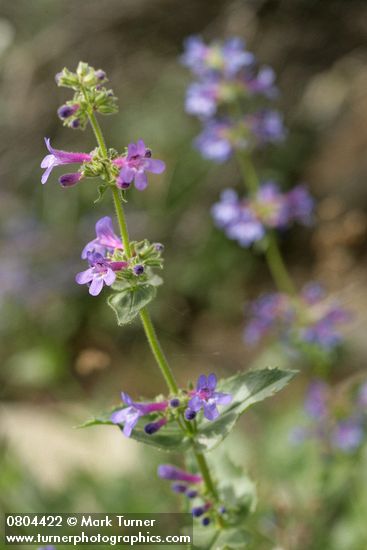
column 170, row 472
column 106, row 240
column 312, row 319
column 101, row 271
column 205, row 397
column 246, row 220
column 135, row 164
column 226, row 59
column 58, row 158
column 130, row 415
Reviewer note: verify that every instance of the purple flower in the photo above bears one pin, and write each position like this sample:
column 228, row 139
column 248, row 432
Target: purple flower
column 226, row 58
column 348, row 435
column 300, row 205
column 66, row 111
column 101, row 271
column 311, row 319
column 265, row 311
column 58, row 158
column 267, row 126
column 205, row 397
column 170, row 472
column 202, row 99
column 106, row 240
column 154, row 427
column 317, row 399
column 130, row 415
column 237, row 219
column 215, row 142
column 263, row 82
column 270, row 205
column 135, row 164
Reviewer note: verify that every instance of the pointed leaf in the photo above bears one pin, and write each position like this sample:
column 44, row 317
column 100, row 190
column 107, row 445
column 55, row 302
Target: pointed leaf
column 127, row 303
column 169, row 438
column 246, row 389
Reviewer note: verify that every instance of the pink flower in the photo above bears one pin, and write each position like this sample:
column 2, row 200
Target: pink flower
column 58, row 158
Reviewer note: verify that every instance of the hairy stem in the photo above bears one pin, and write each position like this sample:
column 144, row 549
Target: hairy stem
column 157, row 350
column 149, row 330
column 273, row 256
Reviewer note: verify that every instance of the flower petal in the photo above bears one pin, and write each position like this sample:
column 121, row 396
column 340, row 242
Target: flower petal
column 96, row 286
column 195, row 404
column 110, row 277
column 155, row 166
column 222, row 398
column 210, row 411
column 141, row 181
column 202, row 382
column 212, row 381
column 84, row 277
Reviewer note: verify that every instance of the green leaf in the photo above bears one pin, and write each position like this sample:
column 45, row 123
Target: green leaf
column 127, row 303
column 171, row 438
column 246, row 389
column 236, row 539
column 235, row 488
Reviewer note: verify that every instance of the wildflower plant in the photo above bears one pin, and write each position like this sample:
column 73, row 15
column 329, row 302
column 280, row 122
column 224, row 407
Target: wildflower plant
column 191, row 420
column 234, row 99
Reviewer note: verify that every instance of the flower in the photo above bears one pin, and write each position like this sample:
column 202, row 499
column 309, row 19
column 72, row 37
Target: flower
column 58, row 158
column 226, row 58
column 135, row 164
column 130, row 415
column 170, row 472
column 153, row 427
column 300, row 205
column 316, row 402
column 66, row 111
column 267, row 126
column 246, row 220
column 205, row 397
column 101, row 271
column 221, row 137
column 311, row 318
column 106, row 240
column 348, row 435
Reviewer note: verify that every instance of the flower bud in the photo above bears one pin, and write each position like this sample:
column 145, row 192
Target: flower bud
column 178, row 488
column 153, row 427
column 205, row 521
column 190, row 414
column 66, row 111
column 198, row 511
column 174, row 403
column 192, row 493
column 138, row 269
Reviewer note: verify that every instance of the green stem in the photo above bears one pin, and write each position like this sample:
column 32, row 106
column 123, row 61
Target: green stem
column 122, row 221
column 150, row 332
column 277, row 266
column 205, row 472
column 98, row 133
column 273, row 255
column 157, row 351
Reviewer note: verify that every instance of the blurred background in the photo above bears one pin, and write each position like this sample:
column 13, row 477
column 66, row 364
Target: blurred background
column 62, row 356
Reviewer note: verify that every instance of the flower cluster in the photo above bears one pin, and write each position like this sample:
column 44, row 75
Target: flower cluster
column 310, row 318
column 246, row 220
column 338, row 426
column 187, row 404
column 108, row 262
column 90, row 93
column 228, row 76
column 123, row 170
column 190, row 485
